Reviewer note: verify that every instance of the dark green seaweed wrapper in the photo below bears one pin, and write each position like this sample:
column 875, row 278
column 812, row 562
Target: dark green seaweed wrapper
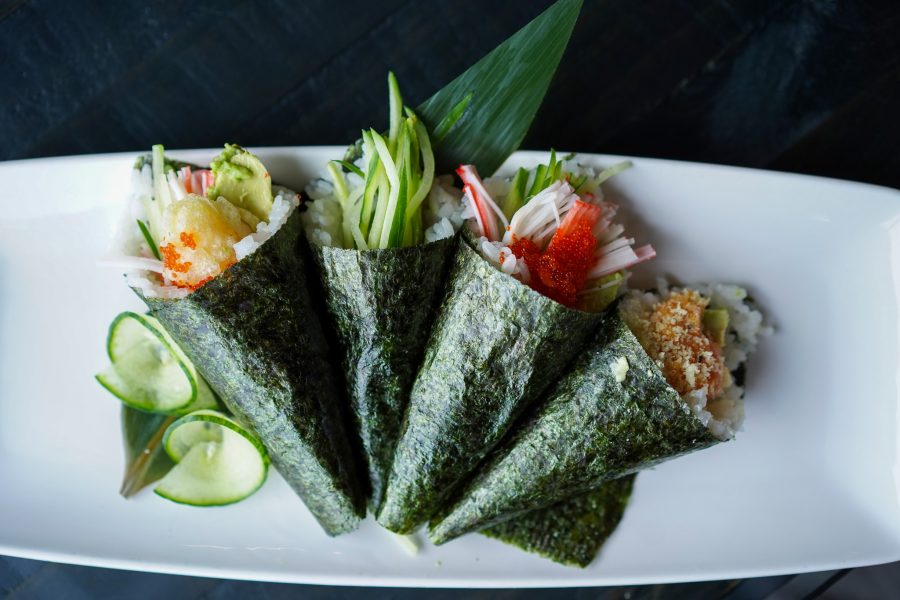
column 382, row 304
column 255, row 337
column 592, row 428
column 570, row 532
column 496, row 345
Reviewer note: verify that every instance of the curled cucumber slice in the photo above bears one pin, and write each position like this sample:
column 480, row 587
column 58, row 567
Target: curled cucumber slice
column 218, row 461
column 149, row 371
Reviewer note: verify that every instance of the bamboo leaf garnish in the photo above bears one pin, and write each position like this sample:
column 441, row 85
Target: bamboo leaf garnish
column 145, row 459
column 443, row 128
column 505, row 89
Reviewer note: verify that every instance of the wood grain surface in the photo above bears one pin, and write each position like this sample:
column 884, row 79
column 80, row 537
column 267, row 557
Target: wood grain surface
column 800, row 85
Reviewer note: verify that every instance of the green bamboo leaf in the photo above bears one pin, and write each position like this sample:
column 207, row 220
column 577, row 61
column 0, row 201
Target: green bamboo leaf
column 507, row 86
column 443, row 128
column 145, row 459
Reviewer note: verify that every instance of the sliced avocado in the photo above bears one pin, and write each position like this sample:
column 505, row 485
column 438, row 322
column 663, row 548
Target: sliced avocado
column 715, row 322
column 242, row 179
column 599, row 301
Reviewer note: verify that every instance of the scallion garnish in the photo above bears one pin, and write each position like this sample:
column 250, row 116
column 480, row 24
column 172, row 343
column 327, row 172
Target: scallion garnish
column 149, row 239
column 350, row 167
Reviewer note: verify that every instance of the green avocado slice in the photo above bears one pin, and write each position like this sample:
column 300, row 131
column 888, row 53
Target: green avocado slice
column 715, row 322
column 242, row 179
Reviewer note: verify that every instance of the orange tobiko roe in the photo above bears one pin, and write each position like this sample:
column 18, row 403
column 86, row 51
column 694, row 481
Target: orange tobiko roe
column 559, row 272
column 172, row 262
column 172, row 259
column 189, row 240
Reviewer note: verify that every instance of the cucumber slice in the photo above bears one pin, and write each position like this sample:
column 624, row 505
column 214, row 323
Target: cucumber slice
column 149, row 371
column 218, row 461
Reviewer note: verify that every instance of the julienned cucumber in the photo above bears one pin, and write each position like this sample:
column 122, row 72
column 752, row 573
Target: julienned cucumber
column 218, row 461
column 149, row 371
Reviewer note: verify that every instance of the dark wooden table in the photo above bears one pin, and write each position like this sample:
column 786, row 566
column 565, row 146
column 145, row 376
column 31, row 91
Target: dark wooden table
column 804, row 85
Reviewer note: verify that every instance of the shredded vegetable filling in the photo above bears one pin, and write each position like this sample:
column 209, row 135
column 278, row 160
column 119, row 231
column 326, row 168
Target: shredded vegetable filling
column 545, row 232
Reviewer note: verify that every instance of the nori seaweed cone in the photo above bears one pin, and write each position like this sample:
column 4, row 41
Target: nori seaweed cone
column 570, row 532
column 591, row 428
column 382, row 303
column 480, row 117
column 496, row 345
column 253, row 333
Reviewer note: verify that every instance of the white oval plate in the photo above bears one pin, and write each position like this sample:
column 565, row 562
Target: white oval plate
column 811, row 484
